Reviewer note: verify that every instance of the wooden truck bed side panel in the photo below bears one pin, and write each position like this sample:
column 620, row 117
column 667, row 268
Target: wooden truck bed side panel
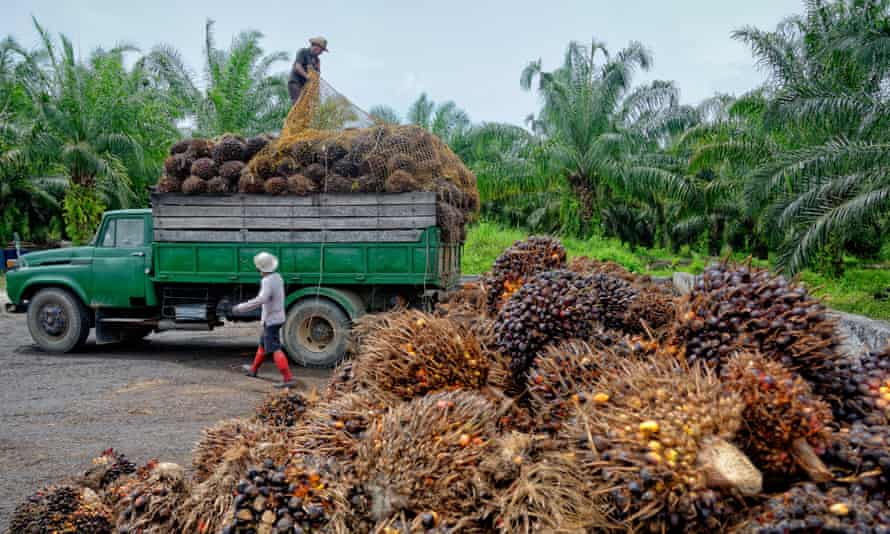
column 329, row 239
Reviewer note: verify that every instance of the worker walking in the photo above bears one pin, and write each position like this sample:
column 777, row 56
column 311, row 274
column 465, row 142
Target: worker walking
column 271, row 298
column 307, row 58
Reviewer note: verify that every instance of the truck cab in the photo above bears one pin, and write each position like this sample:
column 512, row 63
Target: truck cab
column 63, row 289
column 136, row 276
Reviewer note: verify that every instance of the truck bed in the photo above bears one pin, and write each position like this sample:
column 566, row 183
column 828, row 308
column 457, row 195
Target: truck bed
column 349, row 239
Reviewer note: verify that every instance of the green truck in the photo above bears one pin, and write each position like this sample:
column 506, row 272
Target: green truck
column 184, row 263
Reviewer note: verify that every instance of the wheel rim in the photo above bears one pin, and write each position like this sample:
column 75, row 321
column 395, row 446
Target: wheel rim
column 53, row 320
column 315, row 333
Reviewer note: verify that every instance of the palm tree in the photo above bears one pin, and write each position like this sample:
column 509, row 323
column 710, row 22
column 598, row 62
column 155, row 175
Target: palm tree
column 583, row 108
column 816, row 151
column 242, row 95
column 92, row 123
column 385, row 115
column 446, row 120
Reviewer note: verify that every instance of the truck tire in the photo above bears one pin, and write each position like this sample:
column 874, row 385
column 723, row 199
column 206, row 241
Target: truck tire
column 316, row 332
column 57, row 320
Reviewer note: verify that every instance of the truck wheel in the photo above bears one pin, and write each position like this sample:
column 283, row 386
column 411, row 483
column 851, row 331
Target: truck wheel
column 57, row 320
column 316, row 333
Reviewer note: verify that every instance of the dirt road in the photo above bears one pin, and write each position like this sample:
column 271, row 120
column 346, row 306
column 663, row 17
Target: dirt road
column 150, row 400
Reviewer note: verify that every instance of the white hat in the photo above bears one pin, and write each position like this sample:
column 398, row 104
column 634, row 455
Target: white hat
column 265, row 262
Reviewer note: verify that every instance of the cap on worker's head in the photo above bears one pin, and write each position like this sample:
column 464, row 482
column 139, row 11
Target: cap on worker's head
column 265, row 262
column 320, row 42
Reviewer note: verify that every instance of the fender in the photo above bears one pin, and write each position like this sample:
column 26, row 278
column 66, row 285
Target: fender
column 56, row 280
column 351, row 303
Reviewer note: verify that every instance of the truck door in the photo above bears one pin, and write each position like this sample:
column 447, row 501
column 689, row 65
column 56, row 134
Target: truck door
column 119, row 262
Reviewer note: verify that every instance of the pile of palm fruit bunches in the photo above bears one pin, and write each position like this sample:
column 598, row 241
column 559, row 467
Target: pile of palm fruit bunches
column 382, row 159
column 548, row 397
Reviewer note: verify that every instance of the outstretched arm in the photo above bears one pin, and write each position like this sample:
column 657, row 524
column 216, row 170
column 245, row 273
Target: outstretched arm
column 254, row 303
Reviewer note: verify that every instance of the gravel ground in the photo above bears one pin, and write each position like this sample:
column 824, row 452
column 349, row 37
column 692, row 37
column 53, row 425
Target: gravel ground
column 149, row 400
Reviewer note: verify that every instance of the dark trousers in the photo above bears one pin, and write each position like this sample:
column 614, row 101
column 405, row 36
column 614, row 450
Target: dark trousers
column 270, row 340
column 294, row 88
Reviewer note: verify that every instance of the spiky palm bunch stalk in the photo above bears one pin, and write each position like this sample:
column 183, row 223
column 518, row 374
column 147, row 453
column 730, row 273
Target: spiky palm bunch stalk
column 656, row 448
column 416, row 353
column 566, row 374
column 423, row 456
column 786, row 426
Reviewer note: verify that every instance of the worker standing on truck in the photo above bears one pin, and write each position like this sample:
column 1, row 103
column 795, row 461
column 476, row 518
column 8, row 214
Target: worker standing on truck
column 271, row 298
column 307, row 58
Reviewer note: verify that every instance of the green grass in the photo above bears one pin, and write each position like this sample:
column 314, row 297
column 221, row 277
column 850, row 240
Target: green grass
column 853, row 292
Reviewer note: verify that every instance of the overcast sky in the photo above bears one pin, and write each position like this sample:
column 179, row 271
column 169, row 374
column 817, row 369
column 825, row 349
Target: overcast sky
column 469, row 51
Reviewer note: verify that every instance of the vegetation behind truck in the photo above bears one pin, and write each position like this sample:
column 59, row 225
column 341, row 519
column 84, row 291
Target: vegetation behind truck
column 184, row 264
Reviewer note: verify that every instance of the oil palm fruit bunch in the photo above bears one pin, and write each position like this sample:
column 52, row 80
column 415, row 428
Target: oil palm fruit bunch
column 345, row 167
column 169, row 184
column 263, row 165
column 254, row 145
column 199, row 148
column 178, row 166
column 231, row 170
column 300, row 185
column 315, row 172
column 329, row 152
column 418, row 353
column 786, row 426
column 303, row 152
column 148, row 502
column 283, row 408
column 333, row 428
column 423, row 457
column 250, row 183
column 548, row 308
column 64, row 508
column 208, row 506
column 276, row 185
column 539, row 487
column 807, row 508
column 180, row 147
column 229, row 148
column 656, row 447
column 400, row 181
column 451, row 222
column 110, row 466
column 218, row 185
column 587, row 265
column 863, row 453
column 401, row 162
column 204, row 168
column 738, row 307
column 216, row 440
column 651, row 309
column 859, row 387
column 613, row 297
column 278, row 499
column 518, row 264
column 194, row 185
column 562, row 377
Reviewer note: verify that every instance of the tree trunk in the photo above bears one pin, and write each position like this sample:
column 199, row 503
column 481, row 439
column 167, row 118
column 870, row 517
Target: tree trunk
column 586, row 201
column 715, row 238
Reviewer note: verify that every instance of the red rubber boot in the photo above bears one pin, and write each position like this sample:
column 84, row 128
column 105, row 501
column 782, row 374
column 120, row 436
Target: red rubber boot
column 284, row 369
column 251, row 370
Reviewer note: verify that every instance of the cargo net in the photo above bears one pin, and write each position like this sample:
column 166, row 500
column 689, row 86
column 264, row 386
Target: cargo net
column 328, row 145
